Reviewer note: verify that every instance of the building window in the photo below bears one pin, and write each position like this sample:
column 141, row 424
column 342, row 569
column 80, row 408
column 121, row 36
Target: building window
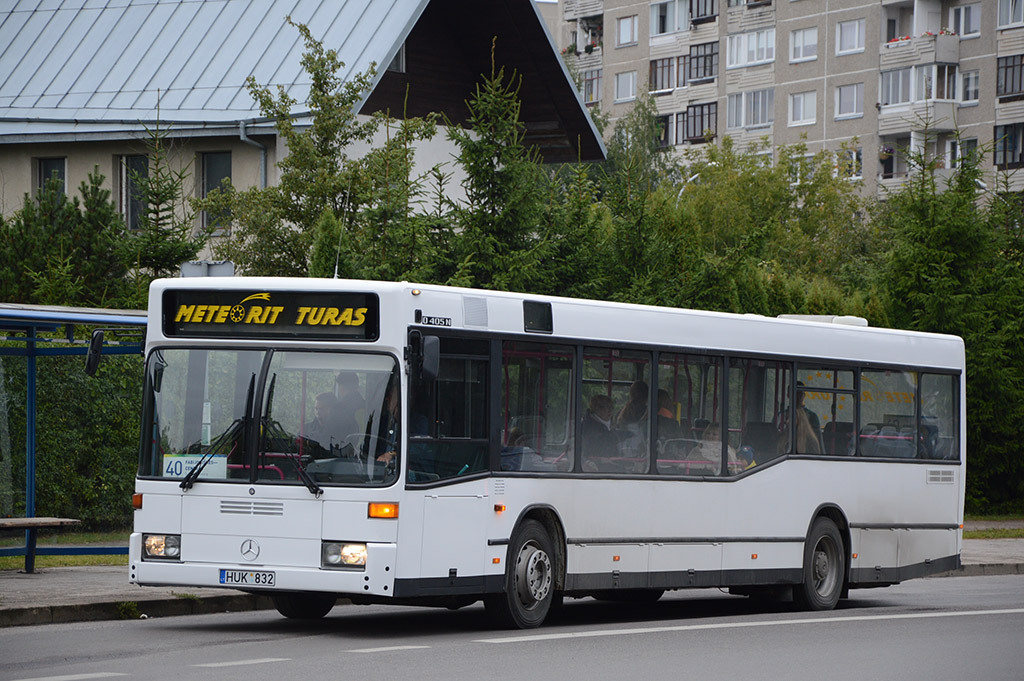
column 962, row 149
column 850, row 36
column 681, row 71
column 51, row 168
column 895, row 87
column 216, row 167
column 751, row 109
column 803, row 44
column 850, row 164
column 133, row 209
column 701, row 122
column 661, row 75
column 802, row 107
column 592, row 86
column 703, row 61
column 936, row 81
column 680, row 127
column 969, row 93
column 748, row 49
column 667, row 17
column 850, row 100
column 703, row 10
column 627, row 31
column 1009, row 74
column 398, row 62
column 1008, row 152
column 625, row 86
column 966, row 21
column 661, row 125
column 1011, row 12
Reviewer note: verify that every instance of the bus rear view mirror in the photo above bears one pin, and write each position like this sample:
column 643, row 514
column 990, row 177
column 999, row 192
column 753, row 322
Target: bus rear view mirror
column 424, row 356
column 92, row 358
column 431, row 359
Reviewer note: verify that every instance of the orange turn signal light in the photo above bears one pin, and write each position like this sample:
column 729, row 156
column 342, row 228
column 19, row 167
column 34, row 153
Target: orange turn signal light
column 382, row 510
column 137, row 501
column 498, row 508
column 615, row 559
column 496, row 561
column 753, row 556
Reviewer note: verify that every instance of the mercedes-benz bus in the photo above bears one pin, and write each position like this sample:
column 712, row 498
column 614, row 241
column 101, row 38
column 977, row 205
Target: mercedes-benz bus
column 381, row 442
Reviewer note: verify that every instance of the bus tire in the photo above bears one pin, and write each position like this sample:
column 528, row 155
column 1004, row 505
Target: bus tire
column 529, row 579
column 824, row 568
column 304, row 606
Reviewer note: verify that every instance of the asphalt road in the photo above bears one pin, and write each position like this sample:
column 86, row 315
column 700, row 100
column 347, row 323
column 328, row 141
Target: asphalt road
column 932, row 629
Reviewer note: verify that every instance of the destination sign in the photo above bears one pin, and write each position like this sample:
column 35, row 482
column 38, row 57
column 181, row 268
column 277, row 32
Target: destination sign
column 271, row 314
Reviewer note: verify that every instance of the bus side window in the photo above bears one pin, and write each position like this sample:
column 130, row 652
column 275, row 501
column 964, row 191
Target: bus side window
column 537, row 414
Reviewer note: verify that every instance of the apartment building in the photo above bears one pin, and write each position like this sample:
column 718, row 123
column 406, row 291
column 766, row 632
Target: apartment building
column 864, row 75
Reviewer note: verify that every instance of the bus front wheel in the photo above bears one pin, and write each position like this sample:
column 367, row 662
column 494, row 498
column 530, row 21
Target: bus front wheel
column 824, row 568
column 529, row 579
column 304, row 606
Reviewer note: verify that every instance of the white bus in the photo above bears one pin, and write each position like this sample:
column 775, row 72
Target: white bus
column 381, row 442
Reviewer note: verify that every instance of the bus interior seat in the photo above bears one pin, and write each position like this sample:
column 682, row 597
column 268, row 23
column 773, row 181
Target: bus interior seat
column 762, row 437
column 868, row 439
column 837, row 436
column 699, row 426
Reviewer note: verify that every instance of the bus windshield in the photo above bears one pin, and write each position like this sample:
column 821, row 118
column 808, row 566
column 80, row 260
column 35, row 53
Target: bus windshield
column 273, row 416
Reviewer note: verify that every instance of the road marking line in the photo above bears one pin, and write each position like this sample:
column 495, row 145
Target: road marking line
column 77, row 677
column 743, row 625
column 388, row 649
column 239, row 663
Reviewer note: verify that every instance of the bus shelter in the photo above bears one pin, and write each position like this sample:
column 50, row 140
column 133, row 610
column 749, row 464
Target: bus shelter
column 34, row 331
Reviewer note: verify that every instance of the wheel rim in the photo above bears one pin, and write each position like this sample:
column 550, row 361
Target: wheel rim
column 825, row 567
column 533, row 575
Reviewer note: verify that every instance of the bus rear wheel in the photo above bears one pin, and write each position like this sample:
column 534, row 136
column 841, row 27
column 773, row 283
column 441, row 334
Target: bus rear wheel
column 304, row 606
column 529, row 579
column 824, row 568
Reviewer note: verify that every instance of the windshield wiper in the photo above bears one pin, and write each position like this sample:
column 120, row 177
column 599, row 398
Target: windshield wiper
column 192, row 475
column 236, row 425
column 267, row 425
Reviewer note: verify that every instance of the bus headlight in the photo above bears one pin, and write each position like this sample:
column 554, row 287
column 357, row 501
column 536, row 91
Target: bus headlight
column 161, row 546
column 336, row 554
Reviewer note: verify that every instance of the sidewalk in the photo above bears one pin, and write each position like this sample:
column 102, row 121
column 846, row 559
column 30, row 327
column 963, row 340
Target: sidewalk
column 80, row 594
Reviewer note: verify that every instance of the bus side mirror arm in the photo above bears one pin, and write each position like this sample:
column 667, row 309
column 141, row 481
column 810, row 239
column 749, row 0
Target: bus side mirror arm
column 95, row 353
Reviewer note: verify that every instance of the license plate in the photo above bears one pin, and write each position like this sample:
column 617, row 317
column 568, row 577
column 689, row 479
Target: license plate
column 246, row 578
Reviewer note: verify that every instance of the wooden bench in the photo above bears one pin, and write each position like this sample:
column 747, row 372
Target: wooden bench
column 32, row 526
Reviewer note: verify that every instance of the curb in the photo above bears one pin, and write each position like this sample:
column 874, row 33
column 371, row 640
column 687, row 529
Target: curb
column 984, row 570
column 123, row 610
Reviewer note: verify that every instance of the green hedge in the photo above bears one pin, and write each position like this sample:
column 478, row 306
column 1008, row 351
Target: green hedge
column 87, row 438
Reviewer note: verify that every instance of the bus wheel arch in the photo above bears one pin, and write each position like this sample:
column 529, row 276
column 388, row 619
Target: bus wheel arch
column 534, row 571
column 825, row 565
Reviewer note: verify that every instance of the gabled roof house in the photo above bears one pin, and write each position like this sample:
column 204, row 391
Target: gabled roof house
column 81, row 80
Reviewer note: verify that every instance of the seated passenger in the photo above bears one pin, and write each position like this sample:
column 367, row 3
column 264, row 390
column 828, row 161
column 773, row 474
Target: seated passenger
column 599, row 441
column 710, row 451
column 668, row 426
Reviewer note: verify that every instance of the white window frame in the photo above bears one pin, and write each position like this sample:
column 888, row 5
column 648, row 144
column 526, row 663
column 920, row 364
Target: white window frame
column 858, row 95
column 592, row 86
column 1010, row 13
column 632, row 25
column 678, row 16
column 954, row 150
column 898, row 82
column 807, row 100
column 927, row 82
column 966, row 15
column 798, row 40
column 750, row 49
column 858, row 28
column 966, row 76
column 751, row 109
column 856, row 157
column 625, row 79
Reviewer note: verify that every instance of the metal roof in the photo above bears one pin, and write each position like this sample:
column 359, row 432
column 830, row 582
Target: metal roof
column 118, row 62
column 72, row 70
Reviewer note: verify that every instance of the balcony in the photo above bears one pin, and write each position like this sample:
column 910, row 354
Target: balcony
column 577, row 9
column 896, row 120
column 925, row 49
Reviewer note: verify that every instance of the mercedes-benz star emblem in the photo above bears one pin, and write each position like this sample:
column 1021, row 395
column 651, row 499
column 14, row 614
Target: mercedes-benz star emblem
column 250, row 549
